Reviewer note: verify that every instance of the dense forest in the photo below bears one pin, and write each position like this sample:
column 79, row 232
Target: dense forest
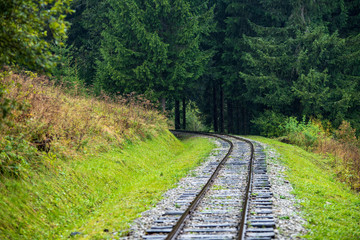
column 246, row 66
column 88, row 89
column 242, row 62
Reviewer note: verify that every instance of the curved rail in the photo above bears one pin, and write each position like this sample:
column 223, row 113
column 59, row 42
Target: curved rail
column 242, row 224
column 180, row 223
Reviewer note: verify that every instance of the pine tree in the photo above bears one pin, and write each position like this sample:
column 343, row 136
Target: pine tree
column 153, row 46
column 87, row 23
column 296, row 67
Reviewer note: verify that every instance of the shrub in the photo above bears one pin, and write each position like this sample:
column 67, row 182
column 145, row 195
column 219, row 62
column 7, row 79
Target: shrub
column 348, row 153
column 194, row 120
column 304, row 134
column 342, row 146
column 270, row 124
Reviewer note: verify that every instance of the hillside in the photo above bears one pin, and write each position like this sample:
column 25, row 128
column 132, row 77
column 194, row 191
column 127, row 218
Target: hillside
column 70, row 162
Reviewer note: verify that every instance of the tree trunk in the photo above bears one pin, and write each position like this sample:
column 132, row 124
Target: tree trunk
column 245, row 121
column 177, row 114
column 237, row 119
column 230, row 117
column 221, row 109
column 184, row 113
column 215, row 121
column 163, row 100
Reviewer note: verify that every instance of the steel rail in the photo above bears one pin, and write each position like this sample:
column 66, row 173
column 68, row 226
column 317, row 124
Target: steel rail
column 242, row 225
column 180, row 223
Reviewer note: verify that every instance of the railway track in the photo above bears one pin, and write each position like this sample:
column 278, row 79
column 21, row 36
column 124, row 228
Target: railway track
column 231, row 199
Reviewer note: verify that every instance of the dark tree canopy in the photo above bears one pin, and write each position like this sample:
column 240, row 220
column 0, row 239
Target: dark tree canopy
column 238, row 60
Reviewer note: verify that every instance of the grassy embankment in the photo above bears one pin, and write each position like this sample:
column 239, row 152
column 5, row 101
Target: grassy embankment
column 72, row 163
column 331, row 208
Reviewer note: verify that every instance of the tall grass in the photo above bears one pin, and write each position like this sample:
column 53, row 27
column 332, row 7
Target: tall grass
column 341, row 145
column 46, row 120
column 344, row 148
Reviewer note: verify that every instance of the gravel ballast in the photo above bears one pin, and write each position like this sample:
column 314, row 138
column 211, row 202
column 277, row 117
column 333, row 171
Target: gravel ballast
column 289, row 223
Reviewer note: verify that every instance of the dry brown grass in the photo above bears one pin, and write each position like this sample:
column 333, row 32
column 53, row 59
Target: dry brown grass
column 67, row 124
column 340, row 146
column 344, row 149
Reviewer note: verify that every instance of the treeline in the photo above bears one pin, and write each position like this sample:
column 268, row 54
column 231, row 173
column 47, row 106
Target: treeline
column 246, row 64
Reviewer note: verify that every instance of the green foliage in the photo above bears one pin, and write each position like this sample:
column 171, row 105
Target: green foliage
column 45, row 119
column 346, row 134
column 304, row 134
column 151, row 45
column 6, row 104
column 291, row 57
column 87, row 23
column 341, row 145
column 194, row 118
column 270, row 124
column 66, row 72
column 26, row 28
column 16, row 156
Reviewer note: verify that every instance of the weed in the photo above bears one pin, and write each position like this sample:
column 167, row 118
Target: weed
column 218, row 187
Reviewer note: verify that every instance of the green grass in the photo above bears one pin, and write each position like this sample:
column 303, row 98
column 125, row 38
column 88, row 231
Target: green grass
column 330, row 207
column 103, row 192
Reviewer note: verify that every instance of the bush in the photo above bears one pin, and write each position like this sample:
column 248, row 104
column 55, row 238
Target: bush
column 342, row 146
column 16, row 155
column 194, row 120
column 270, row 124
column 304, row 134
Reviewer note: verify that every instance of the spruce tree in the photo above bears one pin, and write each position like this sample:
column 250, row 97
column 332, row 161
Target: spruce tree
column 152, row 46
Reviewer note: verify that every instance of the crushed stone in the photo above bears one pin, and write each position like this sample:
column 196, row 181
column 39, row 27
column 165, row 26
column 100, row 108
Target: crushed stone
column 286, row 209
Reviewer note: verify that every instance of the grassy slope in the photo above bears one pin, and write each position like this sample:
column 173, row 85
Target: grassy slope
column 331, row 208
column 71, row 162
column 148, row 170
column 97, row 193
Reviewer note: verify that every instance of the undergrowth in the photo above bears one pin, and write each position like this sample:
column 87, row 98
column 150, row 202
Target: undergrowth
column 39, row 122
column 72, row 163
column 340, row 145
column 45, row 130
